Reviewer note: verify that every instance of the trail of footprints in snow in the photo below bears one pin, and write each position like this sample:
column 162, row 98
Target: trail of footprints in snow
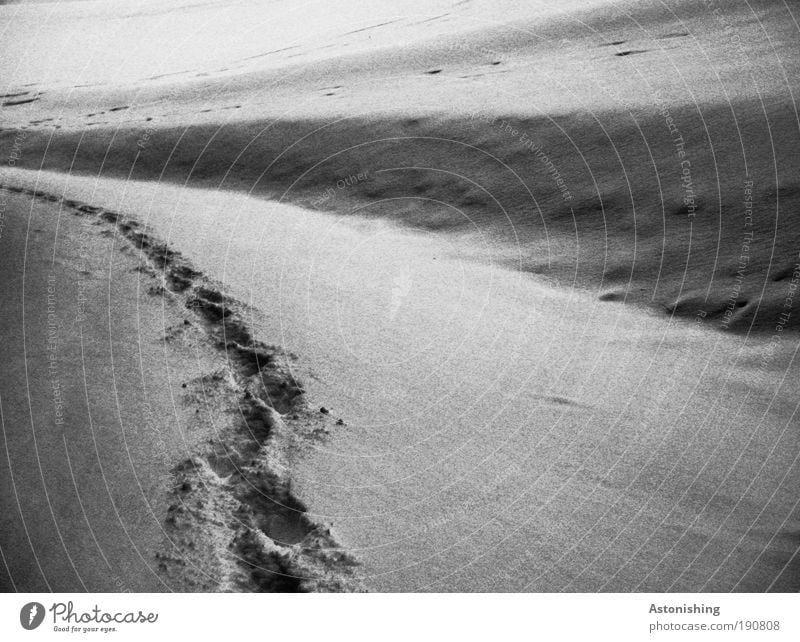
column 234, row 523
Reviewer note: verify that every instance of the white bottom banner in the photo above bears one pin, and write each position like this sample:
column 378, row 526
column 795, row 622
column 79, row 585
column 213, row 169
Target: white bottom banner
column 372, row 617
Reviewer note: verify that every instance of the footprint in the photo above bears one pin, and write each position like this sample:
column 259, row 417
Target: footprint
column 11, row 103
column 560, row 400
column 614, row 295
column 783, row 274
